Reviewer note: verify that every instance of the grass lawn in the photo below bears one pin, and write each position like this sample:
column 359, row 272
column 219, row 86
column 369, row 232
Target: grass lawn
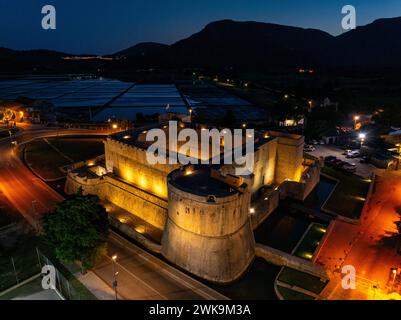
column 289, row 294
column 46, row 161
column 348, row 198
column 79, row 149
column 311, row 241
column 302, row 280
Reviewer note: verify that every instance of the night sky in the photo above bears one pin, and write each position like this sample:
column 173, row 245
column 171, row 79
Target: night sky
column 106, row 26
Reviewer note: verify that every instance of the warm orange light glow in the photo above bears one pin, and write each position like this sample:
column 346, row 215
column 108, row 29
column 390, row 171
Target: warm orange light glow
column 140, row 229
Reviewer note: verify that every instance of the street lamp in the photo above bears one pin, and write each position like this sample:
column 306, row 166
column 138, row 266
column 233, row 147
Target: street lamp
column 114, row 284
column 356, row 118
column 362, row 137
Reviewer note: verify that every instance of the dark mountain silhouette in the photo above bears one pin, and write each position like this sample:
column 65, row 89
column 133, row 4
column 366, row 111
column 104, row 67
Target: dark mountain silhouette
column 377, row 44
column 250, row 44
column 143, row 49
column 254, row 46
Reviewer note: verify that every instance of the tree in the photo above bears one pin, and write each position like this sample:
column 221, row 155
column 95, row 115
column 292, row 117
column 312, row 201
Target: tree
column 77, row 229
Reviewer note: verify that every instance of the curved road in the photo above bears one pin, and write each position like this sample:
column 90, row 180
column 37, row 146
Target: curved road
column 141, row 275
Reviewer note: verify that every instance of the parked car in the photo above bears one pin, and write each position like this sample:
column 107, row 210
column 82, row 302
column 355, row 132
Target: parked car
column 329, row 160
column 346, row 151
column 364, row 159
column 314, row 142
column 353, row 154
column 309, row 148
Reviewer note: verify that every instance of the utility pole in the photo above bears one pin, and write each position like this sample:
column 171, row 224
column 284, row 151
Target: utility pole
column 114, row 259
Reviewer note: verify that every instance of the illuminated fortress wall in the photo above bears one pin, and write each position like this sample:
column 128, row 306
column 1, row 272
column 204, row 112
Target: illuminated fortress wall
column 208, row 235
column 264, row 165
column 206, row 226
column 130, row 164
column 142, row 204
column 289, row 157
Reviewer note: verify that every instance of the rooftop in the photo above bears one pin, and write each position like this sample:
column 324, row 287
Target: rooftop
column 200, row 182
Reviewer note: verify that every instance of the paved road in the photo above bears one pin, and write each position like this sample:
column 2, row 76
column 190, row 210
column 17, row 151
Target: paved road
column 362, row 246
column 28, row 194
column 141, row 275
column 364, row 170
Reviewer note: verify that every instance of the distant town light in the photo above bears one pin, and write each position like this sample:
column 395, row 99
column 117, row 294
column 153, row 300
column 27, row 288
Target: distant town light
column 252, row 210
column 356, row 118
column 362, row 136
column 126, row 137
column 114, row 258
column 114, row 126
column 244, row 125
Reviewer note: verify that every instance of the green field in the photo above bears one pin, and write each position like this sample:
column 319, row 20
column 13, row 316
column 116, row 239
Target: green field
column 349, row 196
column 79, row 149
column 311, row 241
column 302, row 280
column 46, row 160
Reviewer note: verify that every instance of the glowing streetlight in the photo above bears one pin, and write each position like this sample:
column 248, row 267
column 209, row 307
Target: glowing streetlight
column 115, row 273
column 356, row 118
column 362, row 137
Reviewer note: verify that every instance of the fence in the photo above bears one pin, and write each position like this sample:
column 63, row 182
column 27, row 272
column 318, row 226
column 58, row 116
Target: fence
column 15, row 269
column 69, row 287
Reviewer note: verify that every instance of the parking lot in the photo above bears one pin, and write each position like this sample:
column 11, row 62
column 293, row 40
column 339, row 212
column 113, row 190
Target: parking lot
column 362, row 169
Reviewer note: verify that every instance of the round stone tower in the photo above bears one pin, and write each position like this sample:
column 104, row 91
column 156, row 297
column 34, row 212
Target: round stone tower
column 208, row 231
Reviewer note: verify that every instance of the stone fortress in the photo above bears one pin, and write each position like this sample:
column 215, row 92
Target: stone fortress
column 205, row 213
